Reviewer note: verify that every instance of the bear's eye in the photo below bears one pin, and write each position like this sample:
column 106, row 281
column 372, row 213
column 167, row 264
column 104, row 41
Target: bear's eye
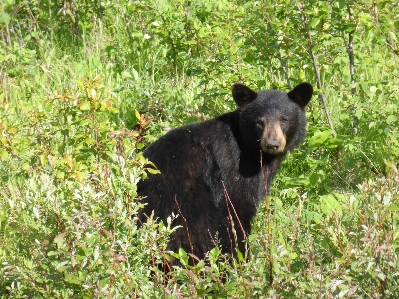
column 283, row 119
column 259, row 122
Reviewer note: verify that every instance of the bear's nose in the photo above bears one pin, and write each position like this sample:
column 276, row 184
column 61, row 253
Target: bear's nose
column 272, row 147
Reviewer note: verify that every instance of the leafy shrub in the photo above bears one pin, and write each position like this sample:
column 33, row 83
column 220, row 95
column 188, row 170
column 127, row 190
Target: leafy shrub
column 70, row 148
column 69, row 201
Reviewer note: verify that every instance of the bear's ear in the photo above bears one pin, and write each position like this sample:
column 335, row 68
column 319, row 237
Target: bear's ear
column 242, row 94
column 301, row 94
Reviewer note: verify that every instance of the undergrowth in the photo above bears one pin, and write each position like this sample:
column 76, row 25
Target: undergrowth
column 86, row 86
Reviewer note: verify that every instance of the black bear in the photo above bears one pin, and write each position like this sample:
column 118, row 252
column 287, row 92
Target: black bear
column 215, row 173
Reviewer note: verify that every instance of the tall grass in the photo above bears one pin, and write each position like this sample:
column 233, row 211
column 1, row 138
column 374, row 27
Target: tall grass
column 84, row 88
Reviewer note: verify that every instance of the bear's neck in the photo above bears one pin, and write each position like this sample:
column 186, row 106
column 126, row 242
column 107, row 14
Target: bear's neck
column 255, row 163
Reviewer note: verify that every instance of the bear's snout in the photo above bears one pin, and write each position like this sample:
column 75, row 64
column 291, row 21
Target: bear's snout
column 272, row 147
column 273, row 139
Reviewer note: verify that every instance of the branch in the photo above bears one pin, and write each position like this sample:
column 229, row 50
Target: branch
column 279, row 56
column 351, row 56
column 316, row 67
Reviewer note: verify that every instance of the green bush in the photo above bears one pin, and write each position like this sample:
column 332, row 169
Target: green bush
column 69, row 204
column 71, row 148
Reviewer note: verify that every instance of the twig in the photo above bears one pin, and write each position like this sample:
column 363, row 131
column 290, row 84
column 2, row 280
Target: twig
column 279, row 56
column 388, row 41
column 234, row 210
column 269, row 238
column 239, row 222
column 315, row 67
column 169, row 32
column 349, row 50
column 188, row 233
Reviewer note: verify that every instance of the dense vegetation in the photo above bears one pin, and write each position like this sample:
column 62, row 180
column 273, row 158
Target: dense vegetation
column 86, row 85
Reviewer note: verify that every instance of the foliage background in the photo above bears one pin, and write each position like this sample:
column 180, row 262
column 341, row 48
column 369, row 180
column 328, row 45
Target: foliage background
column 86, row 85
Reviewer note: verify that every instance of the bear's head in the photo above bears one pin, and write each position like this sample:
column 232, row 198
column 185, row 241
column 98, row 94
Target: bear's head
column 272, row 120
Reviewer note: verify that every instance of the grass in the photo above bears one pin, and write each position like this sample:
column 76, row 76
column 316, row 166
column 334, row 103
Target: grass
column 72, row 139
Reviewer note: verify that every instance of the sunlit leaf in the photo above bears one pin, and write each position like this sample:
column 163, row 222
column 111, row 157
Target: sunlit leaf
column 85, row 106
column 68, row 160
column 3, row 155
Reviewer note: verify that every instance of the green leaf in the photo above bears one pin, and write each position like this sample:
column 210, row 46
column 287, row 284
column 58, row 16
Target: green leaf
column 314, row 22
column 96, row 253
column 59, row 239
column 381, row 276
column 359, row 113
column 340, row 4
column 214, row 253
column 28, row 263
column 393, row 208
column 391, row 118
column 393, row 35
column 240, row 256
column 373, row 89
column 36, row 212
column 8, row 2
column 135, row 74
column 4, row 18
column 126, row 74
column 319, row 138
column 137, row 114
column 4, row 155
column 104, row 282
column 53, row 253
column 183, row 257
column 85, row 106
column 335, row 142
column 329, row 204
column 153, row 171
